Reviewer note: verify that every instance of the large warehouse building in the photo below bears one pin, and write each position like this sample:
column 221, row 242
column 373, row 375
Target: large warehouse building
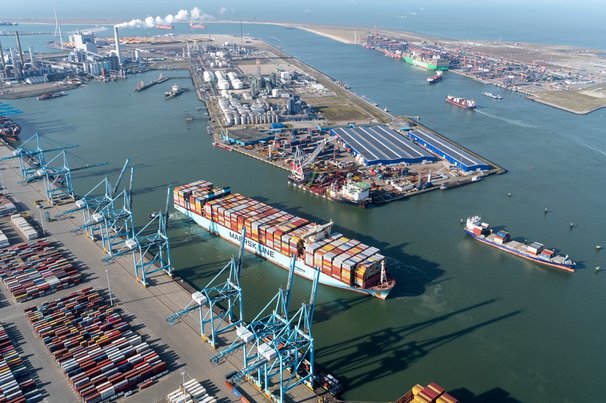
column 381, row 145
column 453, row 154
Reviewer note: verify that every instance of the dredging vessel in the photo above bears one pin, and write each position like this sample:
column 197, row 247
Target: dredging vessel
column 501, row 239
column 461, row 102
column 277, row 236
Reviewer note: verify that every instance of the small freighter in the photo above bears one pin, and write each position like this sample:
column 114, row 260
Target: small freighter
column 502, row 240
column 435, row 78
column 491, row 95
column 461, row 102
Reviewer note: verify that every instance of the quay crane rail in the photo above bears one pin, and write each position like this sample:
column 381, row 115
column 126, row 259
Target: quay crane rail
column 217, row 302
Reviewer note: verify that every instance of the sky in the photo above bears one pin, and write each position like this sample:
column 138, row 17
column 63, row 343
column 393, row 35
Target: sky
column 270, row 9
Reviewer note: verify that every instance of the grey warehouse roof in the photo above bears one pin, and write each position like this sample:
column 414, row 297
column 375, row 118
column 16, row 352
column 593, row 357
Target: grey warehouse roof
column 380, row 144
column 455, row 152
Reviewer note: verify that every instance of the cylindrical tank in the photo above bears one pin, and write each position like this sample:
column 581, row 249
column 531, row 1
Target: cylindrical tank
column 237, row 84
column 207, row 76
column 223, row 84
column 275, row 92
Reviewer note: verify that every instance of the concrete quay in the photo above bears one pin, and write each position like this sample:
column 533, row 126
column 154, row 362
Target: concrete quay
column 147, row 308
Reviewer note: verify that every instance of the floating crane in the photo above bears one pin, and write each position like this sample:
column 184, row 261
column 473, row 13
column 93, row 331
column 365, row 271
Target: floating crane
column 31, row 159
column 217, row 302
column 276, row 344
column 302, row 162
column 150, row 249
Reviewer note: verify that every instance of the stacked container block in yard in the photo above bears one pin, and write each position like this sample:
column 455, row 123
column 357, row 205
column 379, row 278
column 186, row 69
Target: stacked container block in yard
column 7, row 207
column 16, row 382
column 30, row 270
column 100, row 356
column 24, row 227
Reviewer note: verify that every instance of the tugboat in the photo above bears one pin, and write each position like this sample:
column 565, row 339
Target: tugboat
column 435, row 78
column 491, row 95
column 174, row 92
column 461, row 102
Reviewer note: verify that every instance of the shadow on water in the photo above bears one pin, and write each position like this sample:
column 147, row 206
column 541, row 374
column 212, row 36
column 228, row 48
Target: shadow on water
column 495, row 395
column 356, row 357
column 412, row 273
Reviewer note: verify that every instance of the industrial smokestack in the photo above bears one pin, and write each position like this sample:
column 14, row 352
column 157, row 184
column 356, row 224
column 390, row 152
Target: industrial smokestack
column 117, row 39
column 1, row 57
column 31, row 56
column 19, row 48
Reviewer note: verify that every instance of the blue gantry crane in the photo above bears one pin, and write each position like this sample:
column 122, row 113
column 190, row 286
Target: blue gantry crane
column 150, row 247
column 113, row 220
column 31, row 155
column 92, row 201
column 218, row 301
column 277, row 348
column 57, row 176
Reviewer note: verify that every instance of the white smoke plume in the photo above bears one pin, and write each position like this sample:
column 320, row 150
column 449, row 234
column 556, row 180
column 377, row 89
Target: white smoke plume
column 182, row 15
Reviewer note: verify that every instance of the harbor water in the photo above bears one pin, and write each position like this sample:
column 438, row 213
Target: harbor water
column 482, row 323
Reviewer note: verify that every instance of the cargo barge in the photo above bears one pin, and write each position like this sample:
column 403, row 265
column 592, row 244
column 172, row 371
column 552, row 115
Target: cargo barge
column 501, row 239
column 277, row 235
column 142, row 86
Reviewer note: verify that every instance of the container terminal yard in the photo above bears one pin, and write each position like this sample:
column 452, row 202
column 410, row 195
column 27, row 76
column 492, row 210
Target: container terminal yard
column 67, row 279
column 78, row 306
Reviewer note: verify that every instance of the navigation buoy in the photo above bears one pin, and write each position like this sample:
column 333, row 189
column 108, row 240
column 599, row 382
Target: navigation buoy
column 546, row 210
column 598, row 247
column 597, row 268
column 508, row 194
column 571, row 225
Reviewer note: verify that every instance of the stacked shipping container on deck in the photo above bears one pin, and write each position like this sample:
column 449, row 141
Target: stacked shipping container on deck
column 30, row 270
column 347, row 260
column 16, row 382
column 95, row 348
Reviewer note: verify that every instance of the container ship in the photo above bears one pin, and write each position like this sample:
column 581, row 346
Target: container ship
column 429, row 62
column 461, row 102
column 435, row 78
column 164, row 27
column 427, row 394
column 277, row 235
column 501, row 239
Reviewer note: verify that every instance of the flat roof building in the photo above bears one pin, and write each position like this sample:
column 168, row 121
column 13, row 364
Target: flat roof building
column 453, row 154
column 381, row 145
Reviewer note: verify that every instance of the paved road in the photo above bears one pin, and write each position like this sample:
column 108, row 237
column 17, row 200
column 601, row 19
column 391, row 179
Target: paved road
column 179, row 345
